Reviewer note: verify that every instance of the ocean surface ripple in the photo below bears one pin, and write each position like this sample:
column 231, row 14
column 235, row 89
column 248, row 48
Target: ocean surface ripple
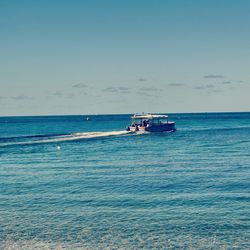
column 63, row 185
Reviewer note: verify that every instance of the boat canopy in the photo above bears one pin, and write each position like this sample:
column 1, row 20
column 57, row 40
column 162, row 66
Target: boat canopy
column 149, row 116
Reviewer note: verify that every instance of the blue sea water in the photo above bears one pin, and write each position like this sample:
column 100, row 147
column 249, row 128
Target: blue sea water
column 69, row 183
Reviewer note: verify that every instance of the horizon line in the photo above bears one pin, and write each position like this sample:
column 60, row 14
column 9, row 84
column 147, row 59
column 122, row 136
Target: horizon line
column 200, row 112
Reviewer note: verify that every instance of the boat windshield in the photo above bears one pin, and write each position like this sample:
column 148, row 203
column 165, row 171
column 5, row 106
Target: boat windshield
column 158, row 120
column 143, row 121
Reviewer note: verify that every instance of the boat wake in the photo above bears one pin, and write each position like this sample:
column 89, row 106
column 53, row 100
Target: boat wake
column 37, row 139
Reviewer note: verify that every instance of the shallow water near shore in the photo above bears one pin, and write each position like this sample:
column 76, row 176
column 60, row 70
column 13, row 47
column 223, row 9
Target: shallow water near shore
column 71, row 183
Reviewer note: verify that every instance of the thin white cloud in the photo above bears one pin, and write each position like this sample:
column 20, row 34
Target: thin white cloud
column 226, row 82
column 80, row 85
column 142, row 79
column 121, row 89
column 213, row 76
column 176, row 84
column 57, row 94
column 149, row 89
column 147, row 94
column 21, row 98
column 204, row 87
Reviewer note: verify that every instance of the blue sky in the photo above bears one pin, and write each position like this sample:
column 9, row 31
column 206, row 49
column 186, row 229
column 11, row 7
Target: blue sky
column 96, row 57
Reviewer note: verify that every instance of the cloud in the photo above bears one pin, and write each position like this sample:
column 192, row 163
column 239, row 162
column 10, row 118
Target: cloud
column 227, row 82
column 176, row 84
column 80, row 86
column 144, row 93
column 123, row 90
column 110, row 89
column 57, row 94
column 213, row 76
column 204, row 87
column 208, row 89
column 142, row 80
column 21, row 98
column 149, row 89
column 147, row 93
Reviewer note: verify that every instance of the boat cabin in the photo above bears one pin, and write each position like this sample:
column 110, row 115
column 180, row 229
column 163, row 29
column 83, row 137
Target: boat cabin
column 151, row 123
column 149, row 119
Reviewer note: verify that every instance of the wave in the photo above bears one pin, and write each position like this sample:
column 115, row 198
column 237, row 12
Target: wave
column 218, row 129
column 28, row 137
column 38, row 139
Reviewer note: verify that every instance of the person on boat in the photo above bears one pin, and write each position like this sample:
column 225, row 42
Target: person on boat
column 144, row 123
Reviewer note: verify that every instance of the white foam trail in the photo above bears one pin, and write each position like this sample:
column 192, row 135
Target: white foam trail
column 140, row 132
column 101, row 134
column 72, row 137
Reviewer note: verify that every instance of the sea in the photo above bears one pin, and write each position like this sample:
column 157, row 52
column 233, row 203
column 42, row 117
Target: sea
column 84, row 182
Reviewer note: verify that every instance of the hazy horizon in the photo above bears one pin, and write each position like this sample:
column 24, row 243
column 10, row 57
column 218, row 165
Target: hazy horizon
column 102, row 114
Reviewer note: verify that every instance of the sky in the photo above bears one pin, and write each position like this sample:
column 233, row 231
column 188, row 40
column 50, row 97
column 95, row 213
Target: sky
column 114, row 56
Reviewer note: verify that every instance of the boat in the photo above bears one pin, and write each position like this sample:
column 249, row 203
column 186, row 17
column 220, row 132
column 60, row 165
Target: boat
column 151, row 123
